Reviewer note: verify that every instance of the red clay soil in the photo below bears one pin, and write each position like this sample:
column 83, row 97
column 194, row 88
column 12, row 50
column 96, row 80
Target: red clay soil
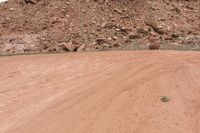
column 104, row 92
column 66, row 25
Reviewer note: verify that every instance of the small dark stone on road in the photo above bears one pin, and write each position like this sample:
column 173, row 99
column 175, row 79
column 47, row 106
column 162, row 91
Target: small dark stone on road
column 165, row 99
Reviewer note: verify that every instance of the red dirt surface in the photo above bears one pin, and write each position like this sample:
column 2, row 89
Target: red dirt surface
column 65, row 25
column 104, row 92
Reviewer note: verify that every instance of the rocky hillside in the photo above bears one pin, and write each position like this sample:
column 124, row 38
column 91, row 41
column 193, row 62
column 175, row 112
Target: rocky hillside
column 77, row 25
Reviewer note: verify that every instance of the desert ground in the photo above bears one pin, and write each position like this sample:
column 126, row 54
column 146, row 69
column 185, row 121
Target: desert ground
column 91, row 86
column 101, row 92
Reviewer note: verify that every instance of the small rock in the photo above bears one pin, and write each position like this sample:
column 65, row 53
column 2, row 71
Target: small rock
column 103, row 24
column 165, row 99
column 11, row 9
column 177, row 10
column 189, row 7
column 133, row 36
column 83, row 11
column 68, row 3
column 115, row 37
column 116, row 44
column 29, row 1
column 176, row 35
column 8, row 48
column 142, row 31
column 106, row 45
column 81, row 48
column 154, row 46
column 127, row 40
column 54, row 20
column 85, row 31
column 94, row 21
column 68, row 46
column 100, row 41
column 118, row 11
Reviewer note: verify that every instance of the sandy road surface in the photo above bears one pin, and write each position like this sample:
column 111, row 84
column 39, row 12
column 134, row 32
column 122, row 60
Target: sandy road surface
column 104, row 92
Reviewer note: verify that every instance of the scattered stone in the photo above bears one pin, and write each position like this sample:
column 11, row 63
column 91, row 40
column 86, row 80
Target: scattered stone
column 54, row 20
column 118, row 11
column 81, row 48
column 176, row 35
column 68, row 46
column 127, row 40
column 106, row 45
column 177, row 10
column 11, row 9
column 157, row 28
column 83, row 11
column 103, row 24
column 29, row 1
column 154, row 46
column 165, row 99
column 100, row 41
column 116, row 44
column 189, row 7
column 8, row 48
column 115, row 37
column 133, row 36
column 142, row 32
column 68, row 3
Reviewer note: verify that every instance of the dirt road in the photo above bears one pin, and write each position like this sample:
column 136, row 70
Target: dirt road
column 104, row 92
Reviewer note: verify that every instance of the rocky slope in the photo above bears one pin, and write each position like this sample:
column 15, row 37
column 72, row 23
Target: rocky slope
column 76, row 25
